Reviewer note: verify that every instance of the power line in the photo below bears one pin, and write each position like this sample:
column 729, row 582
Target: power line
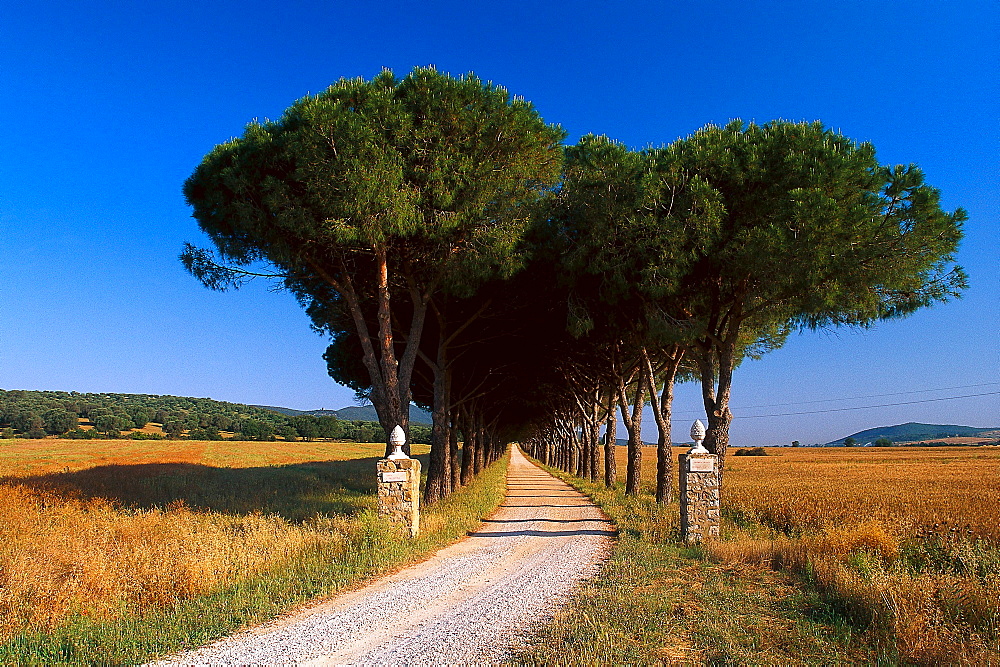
column 858, row 398
column 868, row 407
column 854, row 398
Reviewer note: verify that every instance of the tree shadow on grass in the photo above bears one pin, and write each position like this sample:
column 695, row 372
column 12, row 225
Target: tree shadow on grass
column 295, row 492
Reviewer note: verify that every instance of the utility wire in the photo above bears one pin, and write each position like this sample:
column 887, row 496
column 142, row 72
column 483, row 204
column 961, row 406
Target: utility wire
column 868, row 407
column 858, row 398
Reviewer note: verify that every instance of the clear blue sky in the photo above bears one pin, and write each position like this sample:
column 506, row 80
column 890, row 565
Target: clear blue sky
column 107, row 107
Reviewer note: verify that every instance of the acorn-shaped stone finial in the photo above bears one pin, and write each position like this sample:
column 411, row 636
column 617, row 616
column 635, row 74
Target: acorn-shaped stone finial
column 698, row 435
column 397, row 439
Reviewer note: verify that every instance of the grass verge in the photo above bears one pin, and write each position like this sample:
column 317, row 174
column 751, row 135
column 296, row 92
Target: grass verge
column 657, row 601
column 353, row 549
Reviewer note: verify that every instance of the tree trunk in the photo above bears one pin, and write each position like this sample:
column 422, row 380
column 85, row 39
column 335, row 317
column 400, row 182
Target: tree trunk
column 456, row 470
column 440, row 443
column 610, row 442
column 717, row 400
column 480, row 458
column 390, row 380
column 634, row 427
column 595, row 445
column 387, row 353
column 661, row 413
column 468, row 449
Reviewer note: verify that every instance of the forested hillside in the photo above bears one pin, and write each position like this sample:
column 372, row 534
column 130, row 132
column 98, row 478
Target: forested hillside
column 39, row 414
column 912, row 432
column 352, row 413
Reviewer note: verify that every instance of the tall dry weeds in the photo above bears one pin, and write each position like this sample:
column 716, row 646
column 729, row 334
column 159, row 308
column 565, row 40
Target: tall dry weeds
column 104, row 529
column 60, row 557
column 904, row 543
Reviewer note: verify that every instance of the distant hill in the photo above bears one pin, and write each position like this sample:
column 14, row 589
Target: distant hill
column 39, row 414
column 291, row 412
column 367, row 413
column 912, row 432
column 351, row 413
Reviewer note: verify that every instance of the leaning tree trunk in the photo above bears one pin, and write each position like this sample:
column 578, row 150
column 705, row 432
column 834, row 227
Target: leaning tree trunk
column 717, row 400
column 610, row 442
column 480, row 458
column 594, row 442
column 661, row 413
column 584, row 448
column 633, row 425
column 456, row 469
column 436, row 470
column 468, row 448
column 390, row 377
column 446, row 488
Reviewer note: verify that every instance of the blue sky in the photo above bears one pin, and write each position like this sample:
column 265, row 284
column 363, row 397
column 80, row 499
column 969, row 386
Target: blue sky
column 108, row 107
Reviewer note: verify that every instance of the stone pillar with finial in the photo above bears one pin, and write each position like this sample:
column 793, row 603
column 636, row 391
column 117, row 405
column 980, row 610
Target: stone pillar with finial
column 699, row 487
column 399, row 484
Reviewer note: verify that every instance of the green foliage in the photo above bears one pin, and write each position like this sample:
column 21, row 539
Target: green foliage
column 252, row 429
column 755, row 451
column 42, row 413
column 35, row 427
column 288, row 433
column 429, row 159
column 618, row 212
column 850, row 442
column 820, row 230
column 58, row 421
column 139, row 435
column 882, row 442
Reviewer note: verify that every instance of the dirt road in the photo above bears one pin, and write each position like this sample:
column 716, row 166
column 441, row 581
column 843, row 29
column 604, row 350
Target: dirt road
column 470, row 602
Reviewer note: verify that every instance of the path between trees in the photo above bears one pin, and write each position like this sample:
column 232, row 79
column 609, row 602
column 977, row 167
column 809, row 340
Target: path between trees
column 471, row 602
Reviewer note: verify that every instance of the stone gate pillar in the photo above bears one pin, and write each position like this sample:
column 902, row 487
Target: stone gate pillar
column 399, row 485
column 699, row 490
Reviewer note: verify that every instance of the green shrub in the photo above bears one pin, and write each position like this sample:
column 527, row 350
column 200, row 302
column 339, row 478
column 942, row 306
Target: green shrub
column 756, row 451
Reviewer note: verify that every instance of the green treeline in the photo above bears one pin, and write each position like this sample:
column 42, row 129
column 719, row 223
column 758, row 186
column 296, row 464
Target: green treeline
column 37, row 414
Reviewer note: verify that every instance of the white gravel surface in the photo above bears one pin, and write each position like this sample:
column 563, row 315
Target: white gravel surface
column 472, row 602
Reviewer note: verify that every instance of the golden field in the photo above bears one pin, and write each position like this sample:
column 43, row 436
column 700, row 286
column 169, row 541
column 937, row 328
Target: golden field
column 906, row 489
column 903, row 542
column 103, row 528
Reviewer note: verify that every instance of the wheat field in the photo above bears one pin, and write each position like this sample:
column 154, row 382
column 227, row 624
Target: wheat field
column 903, row 542
column 99, row 529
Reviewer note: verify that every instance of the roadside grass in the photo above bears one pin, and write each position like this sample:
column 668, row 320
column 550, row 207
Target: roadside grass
column 825, row 557
column 120, row 563
column 657, row 601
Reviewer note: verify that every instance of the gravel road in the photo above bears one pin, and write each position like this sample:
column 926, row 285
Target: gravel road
column 472, row 602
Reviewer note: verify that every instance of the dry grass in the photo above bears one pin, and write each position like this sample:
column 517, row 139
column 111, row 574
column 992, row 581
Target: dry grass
column 61, row 557
column 895, row 551
column 905, row 490
column 23, row 457
column 904, row 542
column 659, row 602
column 102, row 528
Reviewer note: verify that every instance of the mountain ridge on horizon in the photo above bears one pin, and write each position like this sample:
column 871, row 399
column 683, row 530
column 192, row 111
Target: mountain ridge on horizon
column 914, row 432
column 350, row 413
